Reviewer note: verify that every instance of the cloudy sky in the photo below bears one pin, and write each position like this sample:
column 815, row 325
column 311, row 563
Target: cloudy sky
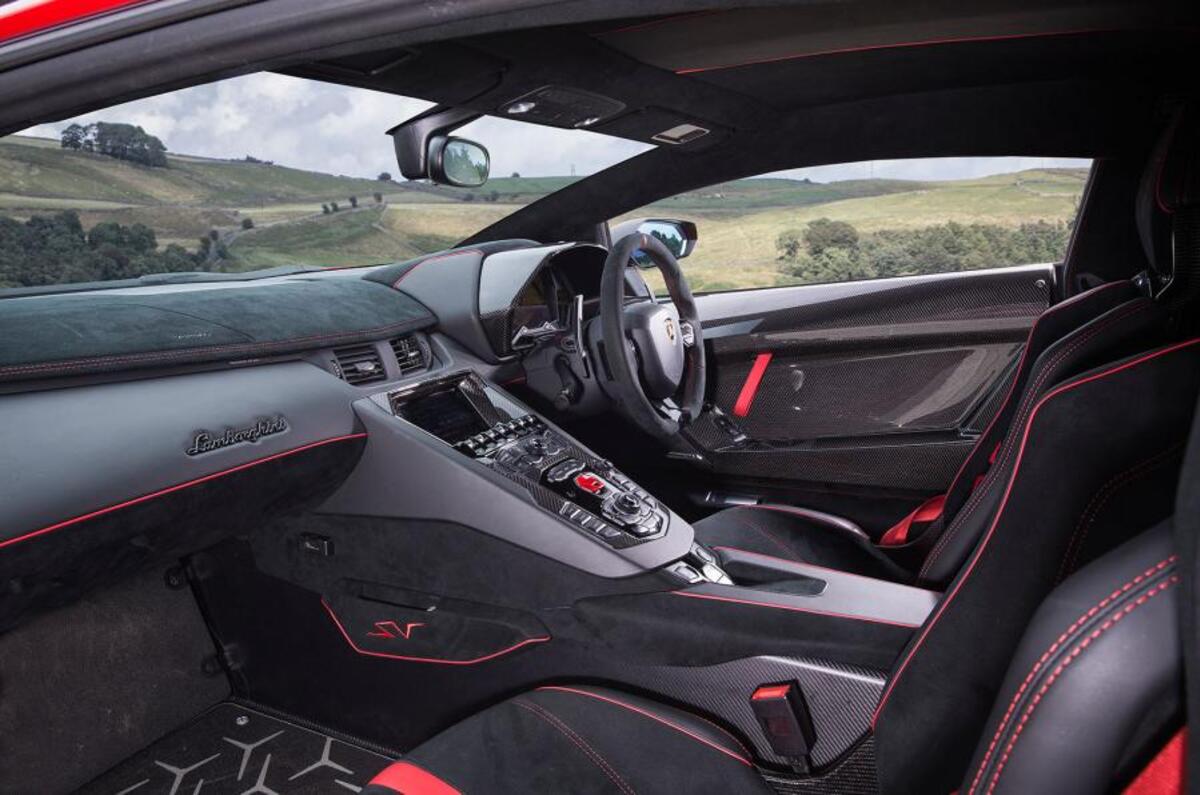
column 337, row 130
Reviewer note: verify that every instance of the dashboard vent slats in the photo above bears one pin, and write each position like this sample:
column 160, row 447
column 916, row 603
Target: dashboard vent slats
column 359, row 364
column 410, row 355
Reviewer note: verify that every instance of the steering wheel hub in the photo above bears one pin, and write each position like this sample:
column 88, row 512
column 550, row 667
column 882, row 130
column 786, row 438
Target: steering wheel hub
column 654, row 351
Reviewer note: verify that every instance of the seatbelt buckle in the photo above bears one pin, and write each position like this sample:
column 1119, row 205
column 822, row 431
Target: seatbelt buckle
column 784, row 717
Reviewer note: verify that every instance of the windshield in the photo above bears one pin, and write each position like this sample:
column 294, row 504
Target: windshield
column 255, row 172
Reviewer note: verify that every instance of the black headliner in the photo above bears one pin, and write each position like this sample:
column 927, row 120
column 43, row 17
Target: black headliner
column 787, row 85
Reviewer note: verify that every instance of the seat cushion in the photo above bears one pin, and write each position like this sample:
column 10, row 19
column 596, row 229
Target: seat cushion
column 784, row 533
column 577, row 739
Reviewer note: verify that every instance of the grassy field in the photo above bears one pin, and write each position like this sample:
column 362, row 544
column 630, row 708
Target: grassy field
column 738, row 221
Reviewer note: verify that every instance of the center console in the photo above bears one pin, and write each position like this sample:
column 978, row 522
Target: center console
column 587, row 492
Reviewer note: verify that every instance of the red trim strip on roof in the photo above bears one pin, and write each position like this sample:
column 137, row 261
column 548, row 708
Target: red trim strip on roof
column 26, row 17
column 890, row 46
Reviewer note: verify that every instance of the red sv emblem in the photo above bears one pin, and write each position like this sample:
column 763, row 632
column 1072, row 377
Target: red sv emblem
column 390, row 629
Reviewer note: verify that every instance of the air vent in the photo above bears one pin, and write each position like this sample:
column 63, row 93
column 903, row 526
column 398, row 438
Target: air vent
column 410, row 355
column 359, row 364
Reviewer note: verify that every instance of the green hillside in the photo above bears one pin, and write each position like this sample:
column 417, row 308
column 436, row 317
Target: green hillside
column 739, row 221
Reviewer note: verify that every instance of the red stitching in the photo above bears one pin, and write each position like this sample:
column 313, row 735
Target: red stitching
column 981, row 547
column 1022, row 412
column 1050, row 652
column 1101, row 498
column 1078, row 650
column 1020, row 366
column 769, row 536
column 579, row 742
column 651, row 716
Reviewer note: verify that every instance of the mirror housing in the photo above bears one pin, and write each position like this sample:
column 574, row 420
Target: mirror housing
column 457, row 162
column 414, row 139
column 678, row 236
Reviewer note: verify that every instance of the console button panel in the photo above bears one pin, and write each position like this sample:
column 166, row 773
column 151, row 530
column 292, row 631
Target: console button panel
column 585, row 491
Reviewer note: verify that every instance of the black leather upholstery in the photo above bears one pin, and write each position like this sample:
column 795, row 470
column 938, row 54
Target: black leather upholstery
column 1098, row 431
column 1097, row 673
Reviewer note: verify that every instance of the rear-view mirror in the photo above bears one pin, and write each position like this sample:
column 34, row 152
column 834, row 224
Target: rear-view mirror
column 458, row 162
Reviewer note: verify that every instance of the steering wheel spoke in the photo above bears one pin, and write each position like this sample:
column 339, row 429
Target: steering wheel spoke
column 660, row 382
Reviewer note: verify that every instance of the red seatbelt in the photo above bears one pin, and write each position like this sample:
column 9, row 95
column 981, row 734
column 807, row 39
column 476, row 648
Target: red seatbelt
column 927, row 511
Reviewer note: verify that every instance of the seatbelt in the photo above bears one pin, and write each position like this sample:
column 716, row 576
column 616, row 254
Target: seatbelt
column 929, row 511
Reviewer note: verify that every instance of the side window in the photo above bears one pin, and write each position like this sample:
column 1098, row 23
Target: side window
column 876, row 220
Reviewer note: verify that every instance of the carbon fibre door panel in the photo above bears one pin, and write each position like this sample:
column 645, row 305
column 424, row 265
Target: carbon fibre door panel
column 879, row 383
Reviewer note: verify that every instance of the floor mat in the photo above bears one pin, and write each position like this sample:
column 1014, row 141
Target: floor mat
column 233, row 750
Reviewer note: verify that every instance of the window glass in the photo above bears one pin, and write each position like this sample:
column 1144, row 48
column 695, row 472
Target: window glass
column 876, row 219
column 256, row 172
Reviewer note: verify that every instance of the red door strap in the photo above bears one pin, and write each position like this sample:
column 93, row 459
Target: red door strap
column 927, row 511
column 745, row 398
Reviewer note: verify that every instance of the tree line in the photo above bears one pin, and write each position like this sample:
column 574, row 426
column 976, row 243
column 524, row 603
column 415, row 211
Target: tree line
column 835, row 251
column 55, row 249
column 120, row 141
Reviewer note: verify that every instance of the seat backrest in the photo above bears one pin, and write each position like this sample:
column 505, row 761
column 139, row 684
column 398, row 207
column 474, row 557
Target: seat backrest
column 1051, row 326
column 1093, row 460
column 1095, row 686
column 1103, row 427
column 1133, row 325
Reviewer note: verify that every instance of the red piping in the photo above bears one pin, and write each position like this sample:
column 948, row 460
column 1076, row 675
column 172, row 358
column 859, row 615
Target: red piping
column 435, row 660
column 171, row 489
column 1017, row 373
column 447, row 255
column 29, row 18
column 656, row 22
column 805, row 563
column 790, row 608
column 745, row 398
column 897, row 45
column 651, row 716
column 941, row 608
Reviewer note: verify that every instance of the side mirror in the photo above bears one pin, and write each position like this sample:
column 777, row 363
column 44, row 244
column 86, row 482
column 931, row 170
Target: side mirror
column 678, row 236
column 457, row 162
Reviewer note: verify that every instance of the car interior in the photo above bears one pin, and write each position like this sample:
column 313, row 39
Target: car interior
column 529, row 514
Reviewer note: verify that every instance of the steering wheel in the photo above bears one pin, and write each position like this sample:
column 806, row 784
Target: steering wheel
column 654, row 351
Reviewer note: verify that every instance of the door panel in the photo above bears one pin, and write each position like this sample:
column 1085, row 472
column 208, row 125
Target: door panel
column 881, row 383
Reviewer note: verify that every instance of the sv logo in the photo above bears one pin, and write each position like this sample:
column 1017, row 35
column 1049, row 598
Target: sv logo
column 390, row 629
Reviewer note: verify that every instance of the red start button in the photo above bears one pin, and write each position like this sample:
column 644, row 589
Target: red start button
column 589, row 483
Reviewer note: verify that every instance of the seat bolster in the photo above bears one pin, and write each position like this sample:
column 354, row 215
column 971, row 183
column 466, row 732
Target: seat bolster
column 579, row 739
column 1099, row 661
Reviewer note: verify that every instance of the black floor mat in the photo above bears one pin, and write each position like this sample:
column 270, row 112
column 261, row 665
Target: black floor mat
column 233, row 750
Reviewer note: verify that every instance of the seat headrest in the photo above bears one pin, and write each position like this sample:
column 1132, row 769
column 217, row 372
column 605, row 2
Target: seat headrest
column 1170, row 181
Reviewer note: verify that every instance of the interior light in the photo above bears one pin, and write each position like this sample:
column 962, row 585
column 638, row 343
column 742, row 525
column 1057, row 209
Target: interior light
column 517, row 108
